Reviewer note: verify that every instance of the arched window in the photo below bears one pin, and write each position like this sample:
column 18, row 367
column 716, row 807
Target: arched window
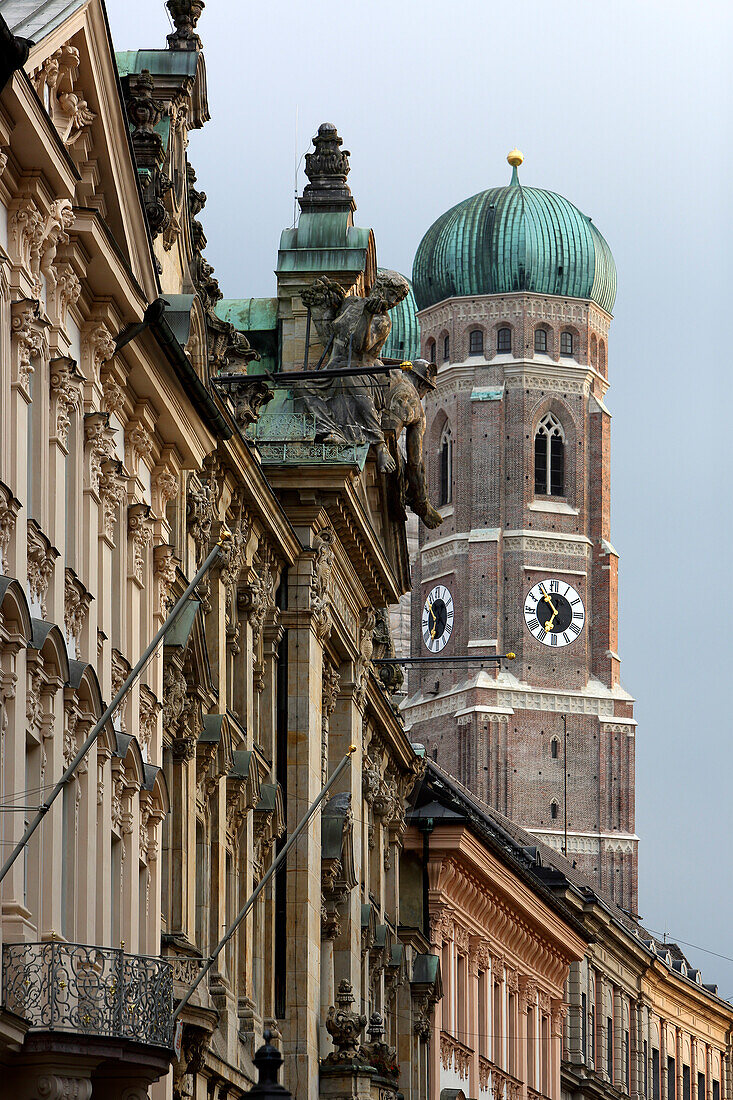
column 446, row 348
column 549, row 457
column 594, row 351
column 446, row 466
column 554, row 744
column 553, row 809
column 602, row 356
column 566, row 343
column 504, row 339
column 476, row 342
column 431, row 351
column 540, row 339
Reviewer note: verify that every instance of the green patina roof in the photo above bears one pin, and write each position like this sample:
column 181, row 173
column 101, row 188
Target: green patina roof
column 514, row 238
column 160, row 62
column 404, row 339
column 323, row 242
column 248, row 314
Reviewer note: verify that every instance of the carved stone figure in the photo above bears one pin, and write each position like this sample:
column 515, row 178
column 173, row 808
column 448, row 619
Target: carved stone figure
column 344, row 1026
column 404, row 412
column 353, row 329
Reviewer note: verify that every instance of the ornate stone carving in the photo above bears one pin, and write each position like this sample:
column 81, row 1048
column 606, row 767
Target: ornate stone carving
column 41, row 558
column 165, row 485
column 51, row 1086
column 185, row 15
column 27, row 329
column 248, row 396
column 139, row 443
column 329, row 695
column 99, row 441
column 144, row 113
column 378, row 1053
column 121, row 669
column 327, row 169
column 344, row 1026
column 364, row 660
column 165, row 564
column 65, row 381
column 9, row 508
column 150, row 708
column 404, row 413
column 140, row 532
column 232, row 560
column 69, row 110
column 99, row 346
column 113, row 493
column 76, row 605
column 200, row 513
column 35, row 237
column 66, row 292
column 442, row 923
column 354, row 330
column 320, row 595
column 174, row 698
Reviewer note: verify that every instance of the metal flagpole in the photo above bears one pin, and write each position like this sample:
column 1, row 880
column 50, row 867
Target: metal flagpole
column 96, row 730
column 262, row 883
column 565, row 781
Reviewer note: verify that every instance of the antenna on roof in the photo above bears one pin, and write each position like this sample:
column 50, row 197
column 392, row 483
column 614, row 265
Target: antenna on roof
column 295, row 173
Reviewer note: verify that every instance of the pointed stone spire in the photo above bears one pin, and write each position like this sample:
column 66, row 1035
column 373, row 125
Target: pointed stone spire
column 327, row 169
column 185, row 15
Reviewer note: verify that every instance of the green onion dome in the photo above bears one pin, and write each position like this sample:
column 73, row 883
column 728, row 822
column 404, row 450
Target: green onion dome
column 510, row 239
column 403, row 341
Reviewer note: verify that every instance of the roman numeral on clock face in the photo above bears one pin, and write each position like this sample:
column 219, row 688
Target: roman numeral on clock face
column 553, row 612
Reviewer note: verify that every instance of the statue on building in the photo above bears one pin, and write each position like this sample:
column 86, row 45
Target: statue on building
column 404, row 412
column 353, row 330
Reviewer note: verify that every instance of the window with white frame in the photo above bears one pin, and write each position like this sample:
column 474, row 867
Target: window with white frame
column 549, row 457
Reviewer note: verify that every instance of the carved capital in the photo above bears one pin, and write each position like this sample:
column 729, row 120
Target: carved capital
column 99, row 347
column 65, row 382
column 76, row 605
column 9, row 508
column 41, row 558
column 140, row 533
column 28, row 333
column 165, row 564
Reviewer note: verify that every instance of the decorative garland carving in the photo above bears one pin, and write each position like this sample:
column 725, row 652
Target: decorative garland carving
column 320, row 595
column 27, row 330
column 140, row 532
column 65, row 381
column 76, row 605
column 41, row 558
column 9, row 508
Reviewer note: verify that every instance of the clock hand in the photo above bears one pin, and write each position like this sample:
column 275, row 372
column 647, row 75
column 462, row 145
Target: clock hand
column 548, row 600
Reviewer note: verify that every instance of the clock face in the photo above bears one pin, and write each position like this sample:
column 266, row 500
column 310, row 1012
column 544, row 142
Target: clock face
column 554, row 613
column 437, row 618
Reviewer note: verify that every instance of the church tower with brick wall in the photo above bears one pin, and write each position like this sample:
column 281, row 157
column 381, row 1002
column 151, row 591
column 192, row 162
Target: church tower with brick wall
column 515, row 288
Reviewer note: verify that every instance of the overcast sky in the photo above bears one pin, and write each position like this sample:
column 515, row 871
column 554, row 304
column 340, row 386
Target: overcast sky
column 625, row 108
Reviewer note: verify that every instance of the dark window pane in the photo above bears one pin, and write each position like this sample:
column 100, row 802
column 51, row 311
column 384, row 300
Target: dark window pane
column 540, row 464
column 446, row 349
column 504, row 339
column 557, row 466
column 431, row 351
column 685, row 1082
column 609, row 1048
column 476, row 342
column 566, row 343
column 701, row 1086
column 583, row 1019
column 656, row 1085
column 445, row 472
column 671, row 1080
column 540, row 339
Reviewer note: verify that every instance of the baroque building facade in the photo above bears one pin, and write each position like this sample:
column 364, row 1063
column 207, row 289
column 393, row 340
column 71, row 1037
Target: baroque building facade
column 515, row 289
column 133, row 442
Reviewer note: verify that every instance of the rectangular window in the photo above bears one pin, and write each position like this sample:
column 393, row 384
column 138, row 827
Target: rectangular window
column 592, row 1029
column 609, row 1048
column 540, row 339
column 583, row 1021
column 512, row 1033
column 461, row 998
column 686, row 1095
column 504, row 339
column 557, row 466
column 531, row 1052
column 566, row 343
column 482, row 1022
column 446, row 349
column 627, row 1062
column 671, row 1080
column 540, row 464
column 496, row 1028
column 716, row 1090
column 701, row 1086
column 655, row 1074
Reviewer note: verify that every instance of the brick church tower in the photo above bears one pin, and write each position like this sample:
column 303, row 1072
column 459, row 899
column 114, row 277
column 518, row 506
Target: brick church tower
column 515, row 289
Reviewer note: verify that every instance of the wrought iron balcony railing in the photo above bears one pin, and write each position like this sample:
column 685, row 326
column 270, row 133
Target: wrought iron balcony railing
column 85, row 990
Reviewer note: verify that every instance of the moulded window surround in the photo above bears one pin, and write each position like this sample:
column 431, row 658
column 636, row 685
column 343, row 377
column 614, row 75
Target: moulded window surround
column 566, row 343
column 446, row 466
column 476, row 342
column 540, row 339
column 549, row 457
column 504, row 340
column 446, row 348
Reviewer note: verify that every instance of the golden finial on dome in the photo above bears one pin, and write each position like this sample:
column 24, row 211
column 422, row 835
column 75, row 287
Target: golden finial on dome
column 515, row 158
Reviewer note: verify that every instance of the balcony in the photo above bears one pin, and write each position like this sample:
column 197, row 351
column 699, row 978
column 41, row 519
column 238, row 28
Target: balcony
column 92, row 991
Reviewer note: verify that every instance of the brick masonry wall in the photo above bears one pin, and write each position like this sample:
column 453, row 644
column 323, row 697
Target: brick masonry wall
column 497, row 540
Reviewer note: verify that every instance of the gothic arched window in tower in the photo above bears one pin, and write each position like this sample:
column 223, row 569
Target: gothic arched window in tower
column 504, row 340
column 446, row 466
column 446, row 348
column 554, row 807
column 554, row 746
column 566, row 343
column 431, row 351
column 540, row 339
column 549, row 457
column 476, row 342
